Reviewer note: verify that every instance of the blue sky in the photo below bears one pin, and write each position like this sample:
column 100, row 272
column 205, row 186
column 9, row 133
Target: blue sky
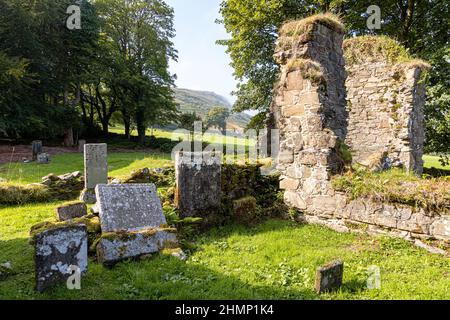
column 202, row 65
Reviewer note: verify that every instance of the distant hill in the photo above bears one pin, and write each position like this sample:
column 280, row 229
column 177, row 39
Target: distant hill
column 203, row 101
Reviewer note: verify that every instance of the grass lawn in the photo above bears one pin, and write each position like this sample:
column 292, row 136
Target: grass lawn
column 275, row 260
column 433, row 162
column 207, row 137
column 119, row 164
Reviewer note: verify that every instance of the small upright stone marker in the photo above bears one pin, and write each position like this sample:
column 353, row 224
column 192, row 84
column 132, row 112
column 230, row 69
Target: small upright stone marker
column 36, row 148
column 129, row 207
column 95, row 165
column 71, row 211
column 95, row 170
column 198, row 178
column 57, row 251
column 329, row 277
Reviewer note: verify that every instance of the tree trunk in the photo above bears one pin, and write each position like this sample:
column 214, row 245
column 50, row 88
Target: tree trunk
column 127, row 124
column 68, row 138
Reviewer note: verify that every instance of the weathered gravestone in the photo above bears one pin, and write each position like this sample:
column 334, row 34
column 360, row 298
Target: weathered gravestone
column 59, row 252
column 132, row 221
column 198, row 179
column 43, row 158
column 95, row 170
column 36, row 148
column 71, row 211
column 329, row 277
column 129, row 207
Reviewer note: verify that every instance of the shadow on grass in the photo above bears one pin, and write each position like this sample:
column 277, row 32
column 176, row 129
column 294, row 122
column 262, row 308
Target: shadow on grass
column 434, row 172
column 162, row 277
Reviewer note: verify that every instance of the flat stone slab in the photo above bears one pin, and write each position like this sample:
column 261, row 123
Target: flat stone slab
column 71, row 211
column 115, row 247
column 56, row 251
column 95, row 164
column 129, row 207
column 329, row 277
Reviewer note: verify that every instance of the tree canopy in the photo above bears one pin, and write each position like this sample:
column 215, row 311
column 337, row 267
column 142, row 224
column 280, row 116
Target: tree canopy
column 54, row 79
column 421, row 26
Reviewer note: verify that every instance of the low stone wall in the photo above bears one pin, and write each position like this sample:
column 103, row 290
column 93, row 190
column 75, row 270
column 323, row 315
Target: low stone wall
column 343, row 214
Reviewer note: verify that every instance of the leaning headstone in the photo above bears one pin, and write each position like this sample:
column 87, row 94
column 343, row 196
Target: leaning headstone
column 95, row 170
column 329, row 277
column 129, row 207
column 43, row 158
column 36, row 148
column 71, row 211
column 198, row 180
column 58, row 253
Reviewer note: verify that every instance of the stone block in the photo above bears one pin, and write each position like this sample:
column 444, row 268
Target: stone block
column 294, row 199
column 289, row 184
column 296, row 110
column 329, row 277
column 58, row 252
column 71, row 211
column 114, row 247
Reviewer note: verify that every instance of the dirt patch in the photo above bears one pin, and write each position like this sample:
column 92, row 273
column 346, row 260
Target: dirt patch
column 19, row 153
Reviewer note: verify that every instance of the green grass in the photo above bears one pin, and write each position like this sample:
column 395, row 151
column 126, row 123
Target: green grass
column 120, row 164
column 433, row 162
column 275, row 260
column 207, row 137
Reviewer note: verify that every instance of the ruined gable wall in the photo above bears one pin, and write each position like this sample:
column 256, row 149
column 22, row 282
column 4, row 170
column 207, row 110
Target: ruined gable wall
column 385, row 105
column 310, row 111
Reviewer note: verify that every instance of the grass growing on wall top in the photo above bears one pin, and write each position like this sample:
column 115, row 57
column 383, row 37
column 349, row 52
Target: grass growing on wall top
column 298, row 27
column 397, row 186
column 379, row 48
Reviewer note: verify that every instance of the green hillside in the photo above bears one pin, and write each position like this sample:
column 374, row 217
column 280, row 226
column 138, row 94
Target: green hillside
column 203, row 101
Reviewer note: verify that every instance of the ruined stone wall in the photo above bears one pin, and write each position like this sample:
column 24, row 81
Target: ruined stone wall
column 309, row 109
column 385, row 105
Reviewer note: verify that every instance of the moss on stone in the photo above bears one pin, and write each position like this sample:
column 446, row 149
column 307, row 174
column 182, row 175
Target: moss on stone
column 397, row 186
column 309, row 69
column 298, row 27
column 71, row 203
column 12, row 194
column 380, row 48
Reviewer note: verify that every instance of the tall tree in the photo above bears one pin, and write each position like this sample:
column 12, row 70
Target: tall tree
column 422, row 26
column 217, row 117
column 141, row 32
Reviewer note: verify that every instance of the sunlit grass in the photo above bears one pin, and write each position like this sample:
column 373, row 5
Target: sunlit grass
column 119, row 164
column 275, row 260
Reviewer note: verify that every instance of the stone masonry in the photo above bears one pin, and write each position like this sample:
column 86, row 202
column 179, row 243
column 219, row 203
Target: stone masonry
column 385, row 104
column 309, row 111
column 320, row 105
